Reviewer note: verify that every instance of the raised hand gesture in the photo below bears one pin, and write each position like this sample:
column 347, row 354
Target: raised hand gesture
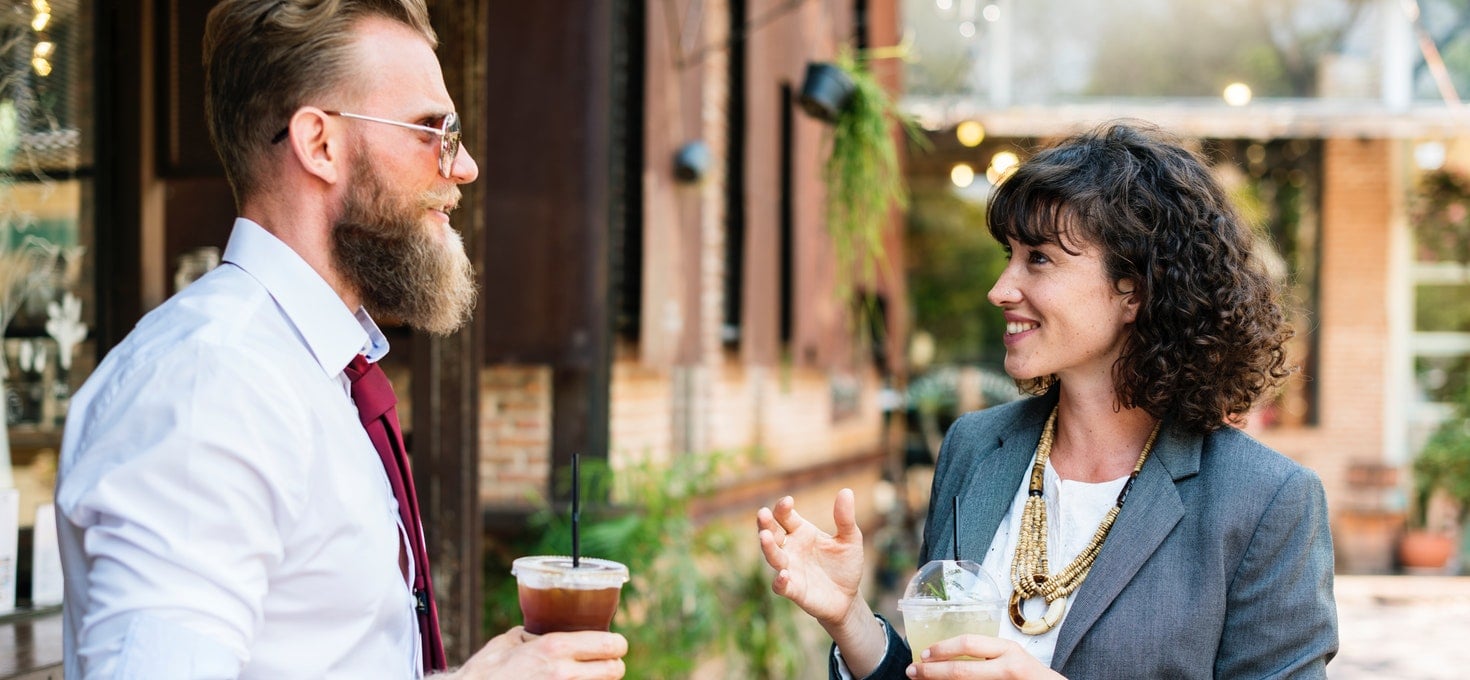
column 821, row 573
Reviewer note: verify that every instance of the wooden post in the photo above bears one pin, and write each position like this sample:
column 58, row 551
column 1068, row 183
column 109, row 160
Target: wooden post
column 446, row 371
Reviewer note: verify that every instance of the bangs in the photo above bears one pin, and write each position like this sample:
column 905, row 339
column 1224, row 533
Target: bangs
column 1024, row 212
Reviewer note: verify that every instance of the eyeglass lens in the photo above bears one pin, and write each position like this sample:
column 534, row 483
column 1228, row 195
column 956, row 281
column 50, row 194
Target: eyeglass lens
column 449, row 144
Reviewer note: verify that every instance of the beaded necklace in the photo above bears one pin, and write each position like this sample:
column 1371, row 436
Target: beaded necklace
column 1029, row 571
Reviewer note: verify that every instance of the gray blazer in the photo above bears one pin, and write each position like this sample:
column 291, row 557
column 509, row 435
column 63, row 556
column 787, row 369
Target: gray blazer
column 1219, row 566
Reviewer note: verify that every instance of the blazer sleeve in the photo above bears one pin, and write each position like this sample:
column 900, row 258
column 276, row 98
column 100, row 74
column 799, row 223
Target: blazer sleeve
column 895, row 660
column 1281, row 619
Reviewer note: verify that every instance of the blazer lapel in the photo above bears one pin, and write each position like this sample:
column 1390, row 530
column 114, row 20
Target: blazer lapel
column 1150, row 512
column 992, row 471
column 986, row 498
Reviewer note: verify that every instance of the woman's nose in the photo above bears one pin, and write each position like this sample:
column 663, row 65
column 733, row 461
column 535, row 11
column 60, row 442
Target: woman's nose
column 1003, row 292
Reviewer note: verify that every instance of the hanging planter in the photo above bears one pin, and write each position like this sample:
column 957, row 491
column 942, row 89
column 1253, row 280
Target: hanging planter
column 826, row 91
column 863, row 177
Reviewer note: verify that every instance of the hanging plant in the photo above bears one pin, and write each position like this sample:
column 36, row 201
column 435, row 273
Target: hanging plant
column 1441, row 214
column 863, row 177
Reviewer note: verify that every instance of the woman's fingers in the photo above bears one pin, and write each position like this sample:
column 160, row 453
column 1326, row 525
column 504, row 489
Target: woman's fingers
column 844, row 514
column 975, row 657
column 973, row 646
column 786, row 515
column 771, row 550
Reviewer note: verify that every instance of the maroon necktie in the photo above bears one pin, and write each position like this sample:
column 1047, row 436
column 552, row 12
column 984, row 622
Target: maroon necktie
column 375, row 405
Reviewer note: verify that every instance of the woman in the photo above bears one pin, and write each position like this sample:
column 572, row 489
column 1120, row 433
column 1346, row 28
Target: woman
column 1158, row 541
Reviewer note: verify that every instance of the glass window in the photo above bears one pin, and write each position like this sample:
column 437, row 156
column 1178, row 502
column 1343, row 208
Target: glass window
column 1442, row 307
column 46, row 263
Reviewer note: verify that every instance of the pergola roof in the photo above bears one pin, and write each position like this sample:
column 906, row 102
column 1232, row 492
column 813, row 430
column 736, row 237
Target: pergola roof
column 1210, row 118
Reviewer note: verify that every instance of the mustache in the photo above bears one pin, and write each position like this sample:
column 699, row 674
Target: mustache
column 447, row 201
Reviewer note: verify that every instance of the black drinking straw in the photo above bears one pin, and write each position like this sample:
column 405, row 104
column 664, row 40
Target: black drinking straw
column 576, row 510
column 956, row 528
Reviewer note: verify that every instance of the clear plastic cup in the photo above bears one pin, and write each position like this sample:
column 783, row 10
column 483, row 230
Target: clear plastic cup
column 947, row 599
column 557, row 597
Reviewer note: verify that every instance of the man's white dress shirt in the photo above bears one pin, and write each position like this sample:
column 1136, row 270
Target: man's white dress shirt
column 223, row 512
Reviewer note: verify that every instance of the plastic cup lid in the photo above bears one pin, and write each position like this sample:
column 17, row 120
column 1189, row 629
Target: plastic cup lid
column 556, row 571
column 951, row 584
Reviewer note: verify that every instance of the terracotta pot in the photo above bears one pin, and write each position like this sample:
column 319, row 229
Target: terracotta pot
column 1421, row 549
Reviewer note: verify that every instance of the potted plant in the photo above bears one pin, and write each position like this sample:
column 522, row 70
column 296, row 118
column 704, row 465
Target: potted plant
column 1440, row 211
column 1442, row 469
column 863, row 177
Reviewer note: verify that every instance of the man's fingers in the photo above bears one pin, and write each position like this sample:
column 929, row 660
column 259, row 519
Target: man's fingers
column 508, row 639
column 586, row 645
column 610, row 669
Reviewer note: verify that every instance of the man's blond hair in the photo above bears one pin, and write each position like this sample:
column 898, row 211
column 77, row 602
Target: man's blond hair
column 264, row 59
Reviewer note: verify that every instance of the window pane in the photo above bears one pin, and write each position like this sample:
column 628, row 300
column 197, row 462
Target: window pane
column 47, row 292
column 1442, row 307
column 1441, row 379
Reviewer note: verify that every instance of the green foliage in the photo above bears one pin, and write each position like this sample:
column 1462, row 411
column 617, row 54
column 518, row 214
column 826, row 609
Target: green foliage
column 1442, row 307
column 760, row 629
column 1193, row 49
column 1444, row 463
column 689, row 599
column 952, row 263
column 1440, row 211
column 864, row 180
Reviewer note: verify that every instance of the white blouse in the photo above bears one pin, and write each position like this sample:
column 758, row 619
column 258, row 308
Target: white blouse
column 1073, row 511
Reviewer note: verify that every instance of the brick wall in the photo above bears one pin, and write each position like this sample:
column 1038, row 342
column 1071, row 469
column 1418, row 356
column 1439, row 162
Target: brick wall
column 641, row 414
column 680, row 389
column 515, row 434
column 1359, row 226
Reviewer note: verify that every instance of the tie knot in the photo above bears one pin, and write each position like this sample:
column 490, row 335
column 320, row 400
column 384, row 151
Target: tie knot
column 356, row 367
column 371, row 390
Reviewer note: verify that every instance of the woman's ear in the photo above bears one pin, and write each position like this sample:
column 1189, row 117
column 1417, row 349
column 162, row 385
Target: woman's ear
column 1132, row 299
column 316, row 143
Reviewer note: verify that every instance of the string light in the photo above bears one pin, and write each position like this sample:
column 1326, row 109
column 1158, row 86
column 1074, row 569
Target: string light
column 970, row 133
column 41, row 54
column 1237, row 94
column 962, row 175
column 1001, row 164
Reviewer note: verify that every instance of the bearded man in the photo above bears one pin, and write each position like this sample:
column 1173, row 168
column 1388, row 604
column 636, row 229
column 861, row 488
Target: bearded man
column 232, row 504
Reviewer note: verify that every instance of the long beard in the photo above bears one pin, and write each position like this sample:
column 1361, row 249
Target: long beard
column 399, row 265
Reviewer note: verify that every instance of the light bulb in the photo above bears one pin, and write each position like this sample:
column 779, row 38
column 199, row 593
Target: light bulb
column 962, row 175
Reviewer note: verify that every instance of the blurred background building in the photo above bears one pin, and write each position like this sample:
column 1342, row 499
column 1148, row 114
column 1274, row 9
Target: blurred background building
column 648, row 228
column 659, row 280
column 1326, row 119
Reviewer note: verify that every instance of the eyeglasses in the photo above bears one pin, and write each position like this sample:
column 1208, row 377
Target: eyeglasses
column 448, row 132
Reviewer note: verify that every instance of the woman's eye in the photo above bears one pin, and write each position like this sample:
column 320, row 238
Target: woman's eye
column 1036, row 257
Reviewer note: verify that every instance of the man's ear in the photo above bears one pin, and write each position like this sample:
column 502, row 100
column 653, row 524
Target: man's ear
column 317, row 144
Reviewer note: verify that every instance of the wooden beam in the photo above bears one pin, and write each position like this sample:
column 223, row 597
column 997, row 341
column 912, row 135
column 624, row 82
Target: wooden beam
column 446, row 371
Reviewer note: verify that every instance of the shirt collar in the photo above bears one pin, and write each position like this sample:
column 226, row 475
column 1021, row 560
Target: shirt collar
column 332, row 332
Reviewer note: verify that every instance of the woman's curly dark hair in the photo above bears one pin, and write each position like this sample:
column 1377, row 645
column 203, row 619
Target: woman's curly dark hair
column 1208, row 339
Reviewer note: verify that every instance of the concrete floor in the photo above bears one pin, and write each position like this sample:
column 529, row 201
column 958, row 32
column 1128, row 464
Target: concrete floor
column 1403, row 628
